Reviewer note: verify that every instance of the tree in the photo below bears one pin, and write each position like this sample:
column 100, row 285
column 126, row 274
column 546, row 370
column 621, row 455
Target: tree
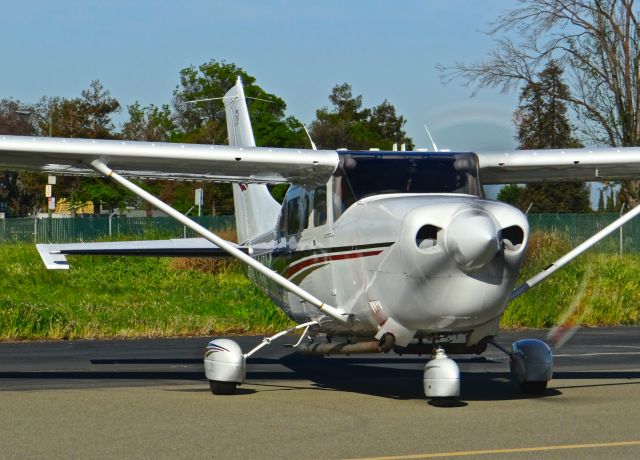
column 13, row 122
column 601, row 201
column 205, row 121
column 542, row 123
column 151, row 123
column 598, row 41
column 19, row 192
column 510, row 194
column 611, row 202
column 87, row 116
column 350, row 126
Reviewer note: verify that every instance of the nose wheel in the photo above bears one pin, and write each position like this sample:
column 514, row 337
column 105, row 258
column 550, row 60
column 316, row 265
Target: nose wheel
column 441, row 376
column 222, row 388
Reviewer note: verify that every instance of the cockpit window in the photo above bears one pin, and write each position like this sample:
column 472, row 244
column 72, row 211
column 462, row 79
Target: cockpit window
column 319, row 206
column 293, row 215
column 303, row 208
column 368, row 173
column 343, row 195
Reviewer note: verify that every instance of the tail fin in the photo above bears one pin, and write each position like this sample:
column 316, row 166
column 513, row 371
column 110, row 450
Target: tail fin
column 256, row 210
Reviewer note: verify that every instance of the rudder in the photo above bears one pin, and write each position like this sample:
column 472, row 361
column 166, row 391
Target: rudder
column 256, row 210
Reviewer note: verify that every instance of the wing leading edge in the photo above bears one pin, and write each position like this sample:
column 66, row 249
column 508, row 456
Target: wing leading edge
column 54, row 255
column 521, row 166
column 158, row 160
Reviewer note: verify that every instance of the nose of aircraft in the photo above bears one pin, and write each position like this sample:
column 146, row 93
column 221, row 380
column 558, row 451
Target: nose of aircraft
column 471, row 239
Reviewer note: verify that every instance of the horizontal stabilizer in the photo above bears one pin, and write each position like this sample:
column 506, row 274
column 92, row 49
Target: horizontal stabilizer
column 54, row 255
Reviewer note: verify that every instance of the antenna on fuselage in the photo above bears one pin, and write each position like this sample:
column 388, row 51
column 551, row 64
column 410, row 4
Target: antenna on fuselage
column 435, row 147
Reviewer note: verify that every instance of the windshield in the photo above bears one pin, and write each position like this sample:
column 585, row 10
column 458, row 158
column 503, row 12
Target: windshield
column 363, row 174
column 375, row 173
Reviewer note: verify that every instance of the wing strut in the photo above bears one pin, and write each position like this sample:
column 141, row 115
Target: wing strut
column 569, row 256
column 333, row 312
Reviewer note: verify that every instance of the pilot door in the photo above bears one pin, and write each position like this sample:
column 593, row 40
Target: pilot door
column 303, row 244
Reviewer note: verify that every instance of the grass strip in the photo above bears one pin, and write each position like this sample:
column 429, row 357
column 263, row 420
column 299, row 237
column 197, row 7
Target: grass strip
column 126, row 297
column 153, row 297
column 598, row 289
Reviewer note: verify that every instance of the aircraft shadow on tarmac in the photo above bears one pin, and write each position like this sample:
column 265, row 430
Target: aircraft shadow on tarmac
column 366, row 376
column 390, row 377
column 377, row 377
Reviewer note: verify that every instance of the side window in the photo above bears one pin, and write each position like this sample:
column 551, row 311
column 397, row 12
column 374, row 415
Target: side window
column 293, row 216
column 282, row 225
column 307, row 209
column 320, row 206
column 342, row 195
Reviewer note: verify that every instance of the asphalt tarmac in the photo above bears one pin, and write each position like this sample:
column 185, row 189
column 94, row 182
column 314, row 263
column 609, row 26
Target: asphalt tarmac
column 149, row 399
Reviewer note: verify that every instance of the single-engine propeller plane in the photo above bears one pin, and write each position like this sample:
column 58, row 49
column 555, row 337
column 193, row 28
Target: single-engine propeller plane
column 371, row 251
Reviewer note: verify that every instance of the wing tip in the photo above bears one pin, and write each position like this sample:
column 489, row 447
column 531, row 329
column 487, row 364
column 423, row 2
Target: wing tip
column 51, row 257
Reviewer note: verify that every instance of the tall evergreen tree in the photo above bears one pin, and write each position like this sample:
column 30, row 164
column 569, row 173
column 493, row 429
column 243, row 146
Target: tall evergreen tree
column 543, row 124
column 598, row 41
column 611, row 203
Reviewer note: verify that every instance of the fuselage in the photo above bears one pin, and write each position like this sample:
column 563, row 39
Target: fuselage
column 397, row 240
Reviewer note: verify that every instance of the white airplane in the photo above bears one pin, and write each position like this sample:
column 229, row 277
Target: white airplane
column 370, row 251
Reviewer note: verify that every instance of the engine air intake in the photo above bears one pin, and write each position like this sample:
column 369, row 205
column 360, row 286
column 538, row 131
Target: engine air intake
column 512, row 236
column 427, row 236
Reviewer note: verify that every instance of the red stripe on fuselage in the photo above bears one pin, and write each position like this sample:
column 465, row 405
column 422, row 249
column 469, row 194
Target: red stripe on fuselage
column 305, row 263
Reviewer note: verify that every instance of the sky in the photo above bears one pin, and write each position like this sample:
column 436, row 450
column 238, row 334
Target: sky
column 297, row 50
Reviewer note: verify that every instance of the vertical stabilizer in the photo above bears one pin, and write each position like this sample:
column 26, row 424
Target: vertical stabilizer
column 256, row 210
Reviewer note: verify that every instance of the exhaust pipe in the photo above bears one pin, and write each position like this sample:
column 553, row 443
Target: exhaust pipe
column 385, row 344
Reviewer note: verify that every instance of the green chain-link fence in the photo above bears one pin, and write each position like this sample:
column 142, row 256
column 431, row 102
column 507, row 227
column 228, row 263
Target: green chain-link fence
column 574, row 227
column 101, row 228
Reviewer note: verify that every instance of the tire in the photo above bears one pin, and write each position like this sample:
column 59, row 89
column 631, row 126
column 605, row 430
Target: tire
column 222, row 388
column 534, row 388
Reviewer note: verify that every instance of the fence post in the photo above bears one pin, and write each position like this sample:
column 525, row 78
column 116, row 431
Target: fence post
column 621, row 211
column 111, row 214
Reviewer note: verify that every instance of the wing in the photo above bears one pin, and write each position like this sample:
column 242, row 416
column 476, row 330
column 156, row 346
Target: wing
column 520, row 166
column 54, row 255
column 158, row 160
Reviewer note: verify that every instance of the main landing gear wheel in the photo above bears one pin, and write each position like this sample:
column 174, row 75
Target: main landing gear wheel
column 531, row 365
column 224, row 366
column 222, row 388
